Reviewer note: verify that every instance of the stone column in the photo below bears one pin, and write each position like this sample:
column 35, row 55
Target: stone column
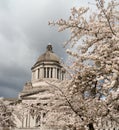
column 37, row 73
column 34, row 121
column 61, row 75
column 29, row 119
column 57, row 73
column 26, row 121
column 23, row 121
column 54, row 72
column 41, row 125
column 42, row 72
column 46, row 72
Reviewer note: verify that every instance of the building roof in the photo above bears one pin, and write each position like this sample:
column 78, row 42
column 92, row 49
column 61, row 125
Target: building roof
column 49, row 55
column 10, row 99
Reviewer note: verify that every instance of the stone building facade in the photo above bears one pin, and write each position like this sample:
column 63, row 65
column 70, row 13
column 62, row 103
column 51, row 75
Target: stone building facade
column 46, row 72
column 48, row 68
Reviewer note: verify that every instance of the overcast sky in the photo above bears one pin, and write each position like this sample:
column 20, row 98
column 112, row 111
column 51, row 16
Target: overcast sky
column 24, row 35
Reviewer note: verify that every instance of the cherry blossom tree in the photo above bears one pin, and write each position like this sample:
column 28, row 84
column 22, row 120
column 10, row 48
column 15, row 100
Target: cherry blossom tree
column 93, row 94
column 6, row 117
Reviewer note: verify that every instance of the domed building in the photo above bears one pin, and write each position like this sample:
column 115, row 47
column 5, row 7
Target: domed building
column 47, row 67
column 45, row 72
column 42, row 104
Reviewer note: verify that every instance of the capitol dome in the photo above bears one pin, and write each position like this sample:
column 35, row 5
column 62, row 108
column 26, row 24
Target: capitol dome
column 49, row 55
column 48, row 65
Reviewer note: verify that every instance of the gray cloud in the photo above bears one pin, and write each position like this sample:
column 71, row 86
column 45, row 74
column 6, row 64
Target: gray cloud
column 24, row 34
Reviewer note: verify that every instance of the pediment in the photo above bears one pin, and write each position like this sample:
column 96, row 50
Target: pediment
column 41, row 94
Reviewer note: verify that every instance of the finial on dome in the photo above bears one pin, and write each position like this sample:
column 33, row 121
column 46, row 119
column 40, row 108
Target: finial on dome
column 49, row 43
column 49, row 47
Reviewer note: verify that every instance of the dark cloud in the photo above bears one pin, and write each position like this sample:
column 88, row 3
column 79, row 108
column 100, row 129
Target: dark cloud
column 24, row 34
column 13, row 77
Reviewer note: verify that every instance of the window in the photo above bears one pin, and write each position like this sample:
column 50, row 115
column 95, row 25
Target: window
column 51, row 72
column 47, row 72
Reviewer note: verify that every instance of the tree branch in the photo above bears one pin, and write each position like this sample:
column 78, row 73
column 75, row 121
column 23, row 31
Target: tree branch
column 70, row 105
column 107, row 18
